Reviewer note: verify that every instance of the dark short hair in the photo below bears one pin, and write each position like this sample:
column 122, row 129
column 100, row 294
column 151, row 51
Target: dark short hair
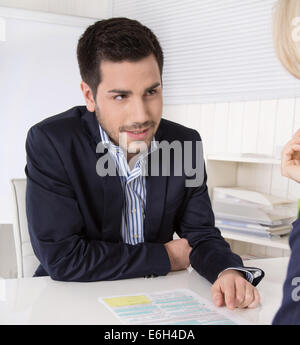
column 114, row 39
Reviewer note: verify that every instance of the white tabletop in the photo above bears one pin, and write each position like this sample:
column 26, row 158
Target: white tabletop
column 45, row 301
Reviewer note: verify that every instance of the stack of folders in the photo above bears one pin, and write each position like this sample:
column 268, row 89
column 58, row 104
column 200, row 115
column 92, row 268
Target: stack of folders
column 245, row 211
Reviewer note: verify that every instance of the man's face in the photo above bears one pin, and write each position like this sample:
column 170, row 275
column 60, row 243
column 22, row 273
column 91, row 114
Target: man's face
column 129, row 100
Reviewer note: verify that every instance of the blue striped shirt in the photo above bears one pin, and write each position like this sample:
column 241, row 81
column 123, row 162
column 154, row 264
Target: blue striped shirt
column 133, row 183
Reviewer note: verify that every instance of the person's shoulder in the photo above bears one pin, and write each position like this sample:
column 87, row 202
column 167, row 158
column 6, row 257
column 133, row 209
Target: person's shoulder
column 60, row 127
column 63, row 121
column 170, row 131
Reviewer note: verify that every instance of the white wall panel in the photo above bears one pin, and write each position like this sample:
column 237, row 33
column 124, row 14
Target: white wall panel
column 297, row 115
column 220, row 128
column 175, row 113
column 267, row 122
column 235, row 127
column 250, row 127
column 193, row 117
column 207, row 126
column 284, row 122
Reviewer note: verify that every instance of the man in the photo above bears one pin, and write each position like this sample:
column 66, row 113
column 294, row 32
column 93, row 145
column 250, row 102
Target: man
column 87, row 226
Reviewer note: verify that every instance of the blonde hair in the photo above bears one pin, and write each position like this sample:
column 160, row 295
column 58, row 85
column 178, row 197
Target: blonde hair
column 286, row 27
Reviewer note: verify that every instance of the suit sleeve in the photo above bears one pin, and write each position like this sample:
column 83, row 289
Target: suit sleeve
column 210, row 253
column 57, row 230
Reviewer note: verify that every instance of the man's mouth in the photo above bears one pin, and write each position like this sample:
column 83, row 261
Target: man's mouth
column 138, row 132
column 141, row 134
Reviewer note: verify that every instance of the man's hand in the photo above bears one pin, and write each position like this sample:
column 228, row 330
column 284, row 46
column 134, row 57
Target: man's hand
column 233, row 290
column 290, row 158
column 179, row 254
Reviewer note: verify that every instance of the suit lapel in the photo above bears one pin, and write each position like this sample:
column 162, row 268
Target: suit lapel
column 110, row 186
column 113, row 205
column 156, row 193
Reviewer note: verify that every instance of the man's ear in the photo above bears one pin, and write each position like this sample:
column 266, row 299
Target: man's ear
column 88, row 96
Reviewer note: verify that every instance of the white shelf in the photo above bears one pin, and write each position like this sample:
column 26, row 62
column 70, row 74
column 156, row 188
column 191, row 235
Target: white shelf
column 282, row 242
column 243, row 158
column 226, row 170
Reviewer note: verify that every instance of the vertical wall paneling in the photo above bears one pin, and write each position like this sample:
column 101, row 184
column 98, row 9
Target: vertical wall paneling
column 175, row 113
column 220, row 128
column 250, row 128
column 235, row 127
column 193, row 116
column 284, row 123
column 297, row 115
column 267, row 122
column 207, row 126
column 285, row 119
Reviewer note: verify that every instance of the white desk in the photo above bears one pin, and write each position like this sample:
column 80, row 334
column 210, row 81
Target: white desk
column 45, row 301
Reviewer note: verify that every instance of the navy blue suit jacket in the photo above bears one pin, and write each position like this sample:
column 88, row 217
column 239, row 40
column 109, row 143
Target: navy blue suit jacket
column 289, row 312
column 74, row 215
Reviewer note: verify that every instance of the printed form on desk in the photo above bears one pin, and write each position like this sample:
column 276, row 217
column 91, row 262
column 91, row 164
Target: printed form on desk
column 169, row 307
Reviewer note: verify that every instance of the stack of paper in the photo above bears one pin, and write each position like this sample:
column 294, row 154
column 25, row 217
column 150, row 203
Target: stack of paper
column 252, row 229
column 251, row 212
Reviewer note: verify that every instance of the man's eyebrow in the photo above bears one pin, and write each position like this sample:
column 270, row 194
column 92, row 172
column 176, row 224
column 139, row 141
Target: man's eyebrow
column 153, row 86
column 127, row 92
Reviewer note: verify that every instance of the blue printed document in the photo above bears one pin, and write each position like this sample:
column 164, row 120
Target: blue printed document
column 169, row 307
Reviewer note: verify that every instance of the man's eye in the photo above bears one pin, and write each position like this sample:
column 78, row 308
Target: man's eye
column 152, row 92
column 119, row 97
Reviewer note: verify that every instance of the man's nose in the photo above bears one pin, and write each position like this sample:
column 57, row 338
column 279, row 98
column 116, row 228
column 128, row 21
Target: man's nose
column 140, row 112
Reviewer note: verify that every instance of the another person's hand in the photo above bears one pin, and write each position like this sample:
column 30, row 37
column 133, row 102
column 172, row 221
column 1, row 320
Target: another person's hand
column 179, row 254
column 234, row 291
column 290, row 158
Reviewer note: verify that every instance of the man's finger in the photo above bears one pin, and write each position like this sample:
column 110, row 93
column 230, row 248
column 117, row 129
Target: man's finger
column 217, row 295
column 229, row 293
column 240, row 291
column 249, row 296
column 256, row 300
column 218, row 299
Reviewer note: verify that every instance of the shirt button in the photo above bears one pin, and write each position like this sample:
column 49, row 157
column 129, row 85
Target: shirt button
column 135, row 236
column 133, row 210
